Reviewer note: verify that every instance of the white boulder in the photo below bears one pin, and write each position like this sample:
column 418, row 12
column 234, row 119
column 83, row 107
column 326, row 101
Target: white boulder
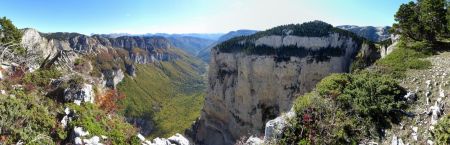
column 79, row 132
column 161, row 141
column 95, row 140
column 396, row 141
column 414, row 134
column 274, row 128
column 179, row 139
column 435, row 111
column 410, row 96
column 78, row 141
column 79, row 94
column 254, row 141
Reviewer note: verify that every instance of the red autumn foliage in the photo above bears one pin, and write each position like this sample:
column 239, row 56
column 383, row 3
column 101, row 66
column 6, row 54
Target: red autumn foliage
column 109, row 99
column 17, row 74
column 29, row 87
column 307, row 118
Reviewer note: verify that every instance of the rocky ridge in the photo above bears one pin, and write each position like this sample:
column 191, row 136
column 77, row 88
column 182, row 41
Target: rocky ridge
column 375, row 34
column 65, row 50
column 429, row 90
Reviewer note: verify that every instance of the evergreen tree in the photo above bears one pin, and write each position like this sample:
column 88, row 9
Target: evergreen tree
column 10, row 36
column 9, row 32
column 432, row 15
column 408, row 21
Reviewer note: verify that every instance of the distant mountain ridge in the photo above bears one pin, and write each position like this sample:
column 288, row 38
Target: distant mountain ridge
column 191, row 43
column 232, row 34
column 209, row 36
column 204, row 54
column 375, row 34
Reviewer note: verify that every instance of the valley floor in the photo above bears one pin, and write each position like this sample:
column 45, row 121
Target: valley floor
column 431, row 87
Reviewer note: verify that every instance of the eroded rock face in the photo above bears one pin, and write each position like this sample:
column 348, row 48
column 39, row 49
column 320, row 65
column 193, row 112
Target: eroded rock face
column 79, row 93
column 246, row 90
column 312, row 43
column 140, row 49
column 113, row 77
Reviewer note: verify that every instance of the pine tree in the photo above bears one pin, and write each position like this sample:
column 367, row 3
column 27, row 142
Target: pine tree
column 432, row 15
column 408, row 21
column 9, row 32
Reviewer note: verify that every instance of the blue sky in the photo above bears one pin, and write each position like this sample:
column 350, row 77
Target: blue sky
column 190, row 16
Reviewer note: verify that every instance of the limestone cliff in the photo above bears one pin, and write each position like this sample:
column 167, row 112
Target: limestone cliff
column 139, row 50
column 255, row 78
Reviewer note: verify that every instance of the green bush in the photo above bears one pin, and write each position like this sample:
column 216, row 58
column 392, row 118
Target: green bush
column 370, row 94
column 78, row 61
column 441, row 132
column 27, row 118
column 344, row 109
column 333, row 85
column 42, row 77
column 98, row 122
column 76, row 80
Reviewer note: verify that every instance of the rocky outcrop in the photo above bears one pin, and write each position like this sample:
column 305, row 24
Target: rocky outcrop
column 176, row 139
column 385, row 50
column 146, row 125
column 81, row 137
column 130, row 69
column 140, row 50
column 246, row 90
column 155, row 48
column 275, row 127
column 112, row 78
column 79, row 94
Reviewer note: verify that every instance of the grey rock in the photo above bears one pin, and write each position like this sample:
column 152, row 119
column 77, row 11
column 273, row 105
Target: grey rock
column 112, row 78
column 254, row 141
column 275, row 127
column 79, row 93
column 410, row 96
column 161, row 141
column 178, row 139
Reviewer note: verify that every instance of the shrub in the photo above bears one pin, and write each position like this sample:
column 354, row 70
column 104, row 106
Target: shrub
column 345, row 109
column 99, row 122
column 76, row 80
column 441, row 133
column 79, row 61
column 333, row 85
column 108, row 101
column 27, row 118
column 41, row 77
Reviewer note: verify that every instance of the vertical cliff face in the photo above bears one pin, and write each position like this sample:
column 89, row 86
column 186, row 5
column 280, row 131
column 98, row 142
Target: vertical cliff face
column 256, row 78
